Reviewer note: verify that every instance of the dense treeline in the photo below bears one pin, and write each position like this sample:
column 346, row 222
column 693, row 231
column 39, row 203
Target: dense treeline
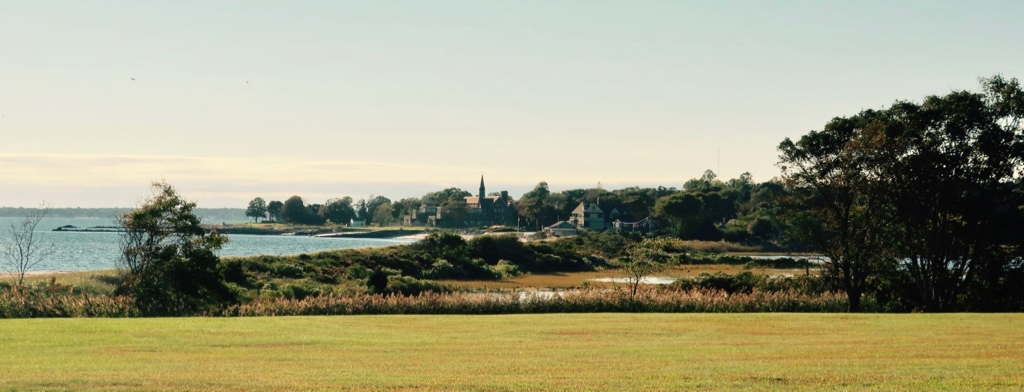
column 706, row 208
column 919, row 203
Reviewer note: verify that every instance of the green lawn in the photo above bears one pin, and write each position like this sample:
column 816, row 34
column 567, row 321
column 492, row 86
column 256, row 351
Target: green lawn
column 518, row 352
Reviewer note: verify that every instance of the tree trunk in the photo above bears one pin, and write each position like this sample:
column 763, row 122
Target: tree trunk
column 853, row 296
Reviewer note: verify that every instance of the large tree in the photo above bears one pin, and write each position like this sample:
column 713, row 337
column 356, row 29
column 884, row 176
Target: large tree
column 257, row 209
column 531, row 206
column 372, row 205
column 839, row 202
column 383, row 215
column 953, row 193
column 338, row 211
column 274, row 210
column 930, row 185
column 683, row 210
column 168, row 263
column 294, row 210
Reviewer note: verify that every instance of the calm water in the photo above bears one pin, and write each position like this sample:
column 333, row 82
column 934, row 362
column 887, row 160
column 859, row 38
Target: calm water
column 76, row 251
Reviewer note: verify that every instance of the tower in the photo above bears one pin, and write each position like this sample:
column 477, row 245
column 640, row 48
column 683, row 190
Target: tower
column 482, row 194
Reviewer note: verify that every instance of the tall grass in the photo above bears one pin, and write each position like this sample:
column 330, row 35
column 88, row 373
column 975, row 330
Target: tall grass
column 574, row 301
column 23, row 303
column 716, row 247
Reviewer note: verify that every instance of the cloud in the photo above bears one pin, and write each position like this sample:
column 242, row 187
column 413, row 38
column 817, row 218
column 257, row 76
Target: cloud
column 104, row 180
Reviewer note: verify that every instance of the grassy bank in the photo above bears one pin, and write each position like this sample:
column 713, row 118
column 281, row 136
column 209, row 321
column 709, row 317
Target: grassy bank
column 520, row 352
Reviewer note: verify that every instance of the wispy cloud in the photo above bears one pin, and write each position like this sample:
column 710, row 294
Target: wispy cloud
column 86, row 180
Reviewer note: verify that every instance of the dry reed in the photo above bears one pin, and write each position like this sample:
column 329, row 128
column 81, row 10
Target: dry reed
column 572, row 301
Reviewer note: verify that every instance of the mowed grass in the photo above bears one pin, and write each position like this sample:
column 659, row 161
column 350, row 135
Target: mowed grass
column 518, row 352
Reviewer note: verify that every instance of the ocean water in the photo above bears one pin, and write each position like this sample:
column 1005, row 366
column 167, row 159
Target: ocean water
column 83, row 251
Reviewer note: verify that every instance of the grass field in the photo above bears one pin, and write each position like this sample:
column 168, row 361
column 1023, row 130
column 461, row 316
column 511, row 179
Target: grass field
column 519, row 352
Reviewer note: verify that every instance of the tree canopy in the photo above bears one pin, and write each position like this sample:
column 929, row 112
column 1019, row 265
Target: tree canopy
column 169, row 264
column 257, row 209
column 930, row 190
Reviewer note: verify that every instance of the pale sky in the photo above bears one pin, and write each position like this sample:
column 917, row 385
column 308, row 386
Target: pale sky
column 237, row 99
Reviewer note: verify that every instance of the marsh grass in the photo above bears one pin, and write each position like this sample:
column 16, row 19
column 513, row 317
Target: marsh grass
column 571, row 301
column 567, row 280
column 621, row 351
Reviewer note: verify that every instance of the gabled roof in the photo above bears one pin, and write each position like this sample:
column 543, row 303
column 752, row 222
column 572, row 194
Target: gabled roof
column 579, row 209
column 562, row 225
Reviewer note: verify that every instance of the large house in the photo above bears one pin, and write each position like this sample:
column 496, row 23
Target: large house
column 488, row 210
column 593, row 217
column 481, row 210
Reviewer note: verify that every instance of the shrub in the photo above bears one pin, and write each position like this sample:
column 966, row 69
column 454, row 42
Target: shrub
column 287, row 270
column 405, row 285
column 505, row 269
column 442, row 269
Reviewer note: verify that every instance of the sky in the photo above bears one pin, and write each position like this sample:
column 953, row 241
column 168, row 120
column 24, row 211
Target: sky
column 230, row 100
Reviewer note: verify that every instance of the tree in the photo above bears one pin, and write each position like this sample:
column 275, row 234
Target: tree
column 406, row 206
column 532, row 205
column 683, row 210
column 952, row 189
column 338, row 211
column 383, row 215
column 25, row 249
column 372, row 205
column 454, row 213
column 931, row 185
column 257, row 209
column 168, row 263
column 643, row 259
column 312, row 216
column 706, row 183
column 274, row 209
column 294, row 210
column 440, row 197
column 839, row 203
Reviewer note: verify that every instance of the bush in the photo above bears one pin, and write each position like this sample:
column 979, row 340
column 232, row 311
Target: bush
column 288, row 271
column 442, row 269
column 405, row 285
column 505, row 269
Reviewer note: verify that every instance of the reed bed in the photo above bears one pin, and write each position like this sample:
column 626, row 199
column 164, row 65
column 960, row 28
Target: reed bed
column 715, row 247
column 21, row 303
column 572, row 301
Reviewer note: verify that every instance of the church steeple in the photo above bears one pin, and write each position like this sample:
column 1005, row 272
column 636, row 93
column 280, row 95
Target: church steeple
column 481, row 188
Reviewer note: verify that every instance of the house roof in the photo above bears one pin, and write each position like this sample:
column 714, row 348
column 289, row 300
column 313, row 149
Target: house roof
column 562, row 225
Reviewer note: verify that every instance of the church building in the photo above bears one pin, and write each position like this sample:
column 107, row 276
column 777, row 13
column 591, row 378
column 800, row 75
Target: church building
column 487, row 210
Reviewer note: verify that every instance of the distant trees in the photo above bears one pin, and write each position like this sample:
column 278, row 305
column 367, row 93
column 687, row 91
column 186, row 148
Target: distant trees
column 338, row 211
column 25, row 249
column 455, row 212
column 682, row 210
column 257, row 209
column 443, row 196
column 168, row 263
column 371, row 206
column 383, row 214
column 294, row 210
column 532, row 205
column 274, row 210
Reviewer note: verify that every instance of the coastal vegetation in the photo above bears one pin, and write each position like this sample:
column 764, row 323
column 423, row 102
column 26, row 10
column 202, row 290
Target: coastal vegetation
column 909, row 208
